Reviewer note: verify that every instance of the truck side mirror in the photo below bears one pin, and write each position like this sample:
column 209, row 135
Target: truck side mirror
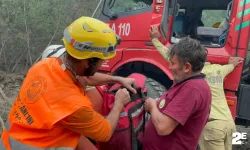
column 176, row 9
column 111, row 3
column 229, row 8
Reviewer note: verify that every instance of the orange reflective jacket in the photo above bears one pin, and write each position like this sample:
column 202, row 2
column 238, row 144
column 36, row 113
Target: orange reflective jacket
column 48, row 95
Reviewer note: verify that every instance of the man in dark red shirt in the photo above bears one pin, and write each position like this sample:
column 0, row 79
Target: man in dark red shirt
column 177, row 119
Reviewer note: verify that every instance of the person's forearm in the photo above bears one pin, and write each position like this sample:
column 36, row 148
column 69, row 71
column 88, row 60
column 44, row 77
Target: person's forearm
column 157, row 119
column 155, row 114
column 163, row 50
column 114, row 116
column 101, row 79
column 226, row 69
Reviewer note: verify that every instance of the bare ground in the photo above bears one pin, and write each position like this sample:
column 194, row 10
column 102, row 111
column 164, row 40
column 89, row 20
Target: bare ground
column 10, row 84
column 9, row 87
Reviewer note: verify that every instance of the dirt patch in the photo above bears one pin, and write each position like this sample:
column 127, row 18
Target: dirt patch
column 246, row 143
column 10, row 84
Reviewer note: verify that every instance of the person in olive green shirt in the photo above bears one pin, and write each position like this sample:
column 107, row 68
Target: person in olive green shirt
column 218, row 131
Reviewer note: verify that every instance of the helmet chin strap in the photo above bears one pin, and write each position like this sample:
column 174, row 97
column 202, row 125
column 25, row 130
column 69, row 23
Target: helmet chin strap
column 65, row 65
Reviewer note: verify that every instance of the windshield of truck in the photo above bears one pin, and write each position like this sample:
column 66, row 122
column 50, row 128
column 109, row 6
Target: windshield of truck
column 120, row 6
column 206, row 21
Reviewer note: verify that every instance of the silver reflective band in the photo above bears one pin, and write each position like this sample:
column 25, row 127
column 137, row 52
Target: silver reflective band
column 87, row 46
column 139, row 126
column 16, row 145
column 1, row 145
column 7, row 125
column 123, row 114
column 138, row 111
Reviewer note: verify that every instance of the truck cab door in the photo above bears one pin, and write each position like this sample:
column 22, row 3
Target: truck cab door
column 163, row 14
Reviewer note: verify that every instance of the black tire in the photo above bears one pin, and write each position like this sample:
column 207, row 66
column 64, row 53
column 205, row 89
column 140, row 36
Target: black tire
column 154, row 88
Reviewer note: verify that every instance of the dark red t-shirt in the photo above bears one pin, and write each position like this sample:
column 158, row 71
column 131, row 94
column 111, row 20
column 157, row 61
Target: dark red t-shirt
column 187, row 102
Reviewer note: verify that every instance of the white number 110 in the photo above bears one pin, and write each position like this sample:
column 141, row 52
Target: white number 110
column 124, row 29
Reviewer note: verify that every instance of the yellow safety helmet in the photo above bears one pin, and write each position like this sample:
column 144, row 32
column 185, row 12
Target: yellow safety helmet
column 88, row 37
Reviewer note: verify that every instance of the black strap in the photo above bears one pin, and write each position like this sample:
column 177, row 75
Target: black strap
column 139, row 94
column 92, row 141
column 54, row 51
column 134, row 134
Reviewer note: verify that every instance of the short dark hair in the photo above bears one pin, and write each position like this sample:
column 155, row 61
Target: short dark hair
column 190, row 50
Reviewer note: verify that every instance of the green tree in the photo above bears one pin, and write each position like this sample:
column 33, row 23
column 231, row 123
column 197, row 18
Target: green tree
column 27, row 27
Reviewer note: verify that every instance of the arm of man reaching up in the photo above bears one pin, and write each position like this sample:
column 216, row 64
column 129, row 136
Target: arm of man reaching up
column 100, row 79
column 233, row 62
column 154, row 35
column 163, row 50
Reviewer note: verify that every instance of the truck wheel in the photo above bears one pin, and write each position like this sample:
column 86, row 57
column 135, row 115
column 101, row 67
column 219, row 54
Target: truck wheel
column 154, row 88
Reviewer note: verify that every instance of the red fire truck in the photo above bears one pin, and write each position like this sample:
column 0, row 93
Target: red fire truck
column 199, row 19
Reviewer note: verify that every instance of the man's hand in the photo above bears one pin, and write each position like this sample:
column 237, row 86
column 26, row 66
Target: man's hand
column 154, row 32
column 122, row 98
column 127, row 83
column 150, row 104
column 235, row 61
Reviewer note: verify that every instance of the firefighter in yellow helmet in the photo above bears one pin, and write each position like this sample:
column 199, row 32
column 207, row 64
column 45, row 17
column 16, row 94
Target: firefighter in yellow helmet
column 51, row 109
column 86, row 38
column 91, row 39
